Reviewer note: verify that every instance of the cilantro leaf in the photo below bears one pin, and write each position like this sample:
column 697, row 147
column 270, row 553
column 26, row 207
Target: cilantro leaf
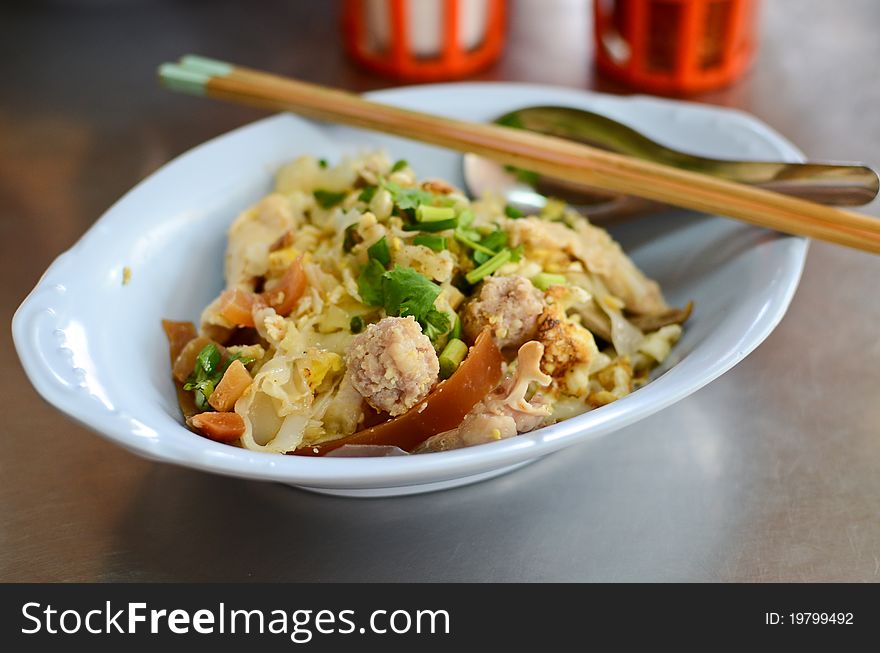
column 370, row 283
column 494, row 242
column 403, row 292
column 399, row 165
column 408, row 198
column 202, row 391
column 408, row 293
column 329, row 198
column 436, row 323
column 379, row 251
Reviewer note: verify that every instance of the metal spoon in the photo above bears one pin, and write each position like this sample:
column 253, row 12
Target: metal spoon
column 848, row 184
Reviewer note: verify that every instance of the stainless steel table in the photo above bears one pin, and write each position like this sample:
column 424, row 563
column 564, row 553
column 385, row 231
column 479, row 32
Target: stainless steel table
column 770, row 473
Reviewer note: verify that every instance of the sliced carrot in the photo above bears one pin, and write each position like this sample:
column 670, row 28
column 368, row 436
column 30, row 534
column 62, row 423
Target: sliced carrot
column 178, row 334
column 222, row 427
column 285, row 294
column 235, row 381
column 442, row 410
column 236, row 306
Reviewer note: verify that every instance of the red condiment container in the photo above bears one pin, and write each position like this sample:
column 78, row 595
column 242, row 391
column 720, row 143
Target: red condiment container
column 675, row 46
column 424, row 40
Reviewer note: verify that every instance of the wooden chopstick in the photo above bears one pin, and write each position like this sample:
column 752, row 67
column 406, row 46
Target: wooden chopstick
column 546, row 155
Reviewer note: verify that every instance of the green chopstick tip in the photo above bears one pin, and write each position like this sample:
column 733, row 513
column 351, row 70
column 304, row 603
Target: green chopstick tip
column 178, row 78
column 210, row 67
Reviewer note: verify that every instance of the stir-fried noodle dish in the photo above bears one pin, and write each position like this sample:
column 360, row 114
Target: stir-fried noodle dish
column 368, row 313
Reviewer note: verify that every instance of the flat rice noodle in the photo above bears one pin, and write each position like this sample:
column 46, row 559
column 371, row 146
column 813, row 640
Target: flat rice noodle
column 443, row 409
column 649, row 323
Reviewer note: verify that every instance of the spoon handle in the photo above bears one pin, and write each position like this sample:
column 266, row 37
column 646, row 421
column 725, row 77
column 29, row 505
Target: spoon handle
column 843, row 184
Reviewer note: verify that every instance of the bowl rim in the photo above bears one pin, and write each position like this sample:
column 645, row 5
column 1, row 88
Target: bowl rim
column 206, row 455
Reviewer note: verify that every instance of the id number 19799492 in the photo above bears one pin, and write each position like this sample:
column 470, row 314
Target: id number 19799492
column 808, row 618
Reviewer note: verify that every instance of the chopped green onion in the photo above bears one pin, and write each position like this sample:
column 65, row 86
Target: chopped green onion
column 436, row 243
column 322, row 163
column 379, row 251
column 439, row 225
column 495, row 240
column 544, row 280
column 456, row 328
column 399, row 165
column 513, row 212
column 356, row 324
column 367, row 194
column 328, row 198
column 489, row 267
column 517, row 253
column 466, row 217
column 492, row 243
column 427, row 213
column 207, row 372
column 451, row 357
column 474, row 245
column 202, row 392
column 208, row 359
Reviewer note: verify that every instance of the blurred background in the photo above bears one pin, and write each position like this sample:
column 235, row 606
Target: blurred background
column 82, row 120
column 80, row 103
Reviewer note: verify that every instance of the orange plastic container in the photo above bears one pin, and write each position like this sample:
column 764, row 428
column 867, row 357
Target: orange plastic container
column 675, row 46
column 424, row 40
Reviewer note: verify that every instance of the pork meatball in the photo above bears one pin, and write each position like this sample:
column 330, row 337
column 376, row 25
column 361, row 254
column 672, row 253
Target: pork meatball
column 509, row 306
column 392, row 364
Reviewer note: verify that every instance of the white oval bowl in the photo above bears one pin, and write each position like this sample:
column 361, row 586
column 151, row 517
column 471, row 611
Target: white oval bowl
column 94, row 349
